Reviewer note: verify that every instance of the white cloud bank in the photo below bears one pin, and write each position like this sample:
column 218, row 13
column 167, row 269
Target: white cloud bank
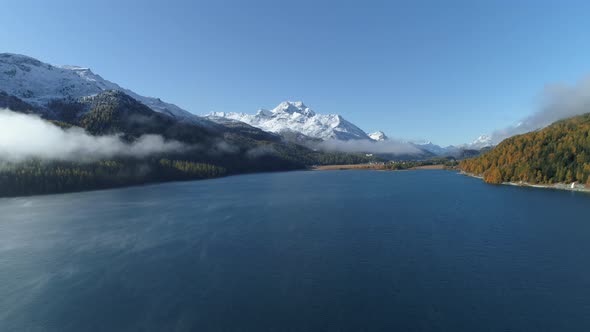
column 367, row 146
column 559, row 101
column 27, row 136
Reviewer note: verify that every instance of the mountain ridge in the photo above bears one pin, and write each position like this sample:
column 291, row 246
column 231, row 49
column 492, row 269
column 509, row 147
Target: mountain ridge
column 38, row 83
column 209, row 151
column 297, row 117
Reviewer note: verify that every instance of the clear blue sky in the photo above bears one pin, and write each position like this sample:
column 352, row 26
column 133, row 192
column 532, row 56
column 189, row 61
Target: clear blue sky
column 442, row 70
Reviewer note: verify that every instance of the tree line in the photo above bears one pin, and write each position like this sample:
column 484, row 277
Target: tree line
column 556, row 154
column 43, row 177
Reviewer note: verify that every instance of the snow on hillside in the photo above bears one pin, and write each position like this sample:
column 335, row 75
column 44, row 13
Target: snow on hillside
column 38, row 83
column 296, row 117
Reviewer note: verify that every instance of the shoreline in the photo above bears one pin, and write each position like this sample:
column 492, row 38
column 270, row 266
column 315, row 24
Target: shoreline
column 372, row 167
column 155, row 183
column 556, row 186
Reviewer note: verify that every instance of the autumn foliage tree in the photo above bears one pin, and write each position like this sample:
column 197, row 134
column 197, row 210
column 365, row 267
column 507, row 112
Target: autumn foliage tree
column 493, row 176
column 557, row 153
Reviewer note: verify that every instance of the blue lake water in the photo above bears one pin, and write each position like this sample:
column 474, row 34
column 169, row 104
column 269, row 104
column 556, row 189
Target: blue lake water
column 298, row 251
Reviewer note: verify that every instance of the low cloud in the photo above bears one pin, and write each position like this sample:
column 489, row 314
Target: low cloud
column 558, row 101
column 260, row 151
column 27, row 136
column 223, row 147
column 368, row 146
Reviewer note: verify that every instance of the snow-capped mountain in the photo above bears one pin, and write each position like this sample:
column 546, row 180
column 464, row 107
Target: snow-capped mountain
column 434, row 148
column 296, row 117
column 378, row 136
column 424, row 145
column 38, row 83
column 481, row 142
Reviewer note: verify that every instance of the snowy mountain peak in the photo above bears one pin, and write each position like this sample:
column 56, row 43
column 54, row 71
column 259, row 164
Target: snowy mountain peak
column 297, row 117
column 84, row 72
column 264, row 113
column 483, row 139
column 292, row 107
column 481, row 142
column 39, row 83
column 378, row 136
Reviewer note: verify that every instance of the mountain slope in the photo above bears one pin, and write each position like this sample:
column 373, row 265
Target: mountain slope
column 555, row 154
column 209, row 151
column 16, row 104
column 296, row 117
column 39, row 83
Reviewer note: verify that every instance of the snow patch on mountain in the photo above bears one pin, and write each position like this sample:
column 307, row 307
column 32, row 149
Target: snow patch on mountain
column 378, row 136
column 297, row 117
column 38, row 83
column 481, row 142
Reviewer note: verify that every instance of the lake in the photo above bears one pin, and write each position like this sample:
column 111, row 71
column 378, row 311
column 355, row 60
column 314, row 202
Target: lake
column 298, row 251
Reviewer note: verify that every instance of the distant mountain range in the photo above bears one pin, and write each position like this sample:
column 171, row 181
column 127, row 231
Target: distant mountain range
column 297, row 117
column 95, row 110
column 40, row 84
column 290, row 136
column 482, row 143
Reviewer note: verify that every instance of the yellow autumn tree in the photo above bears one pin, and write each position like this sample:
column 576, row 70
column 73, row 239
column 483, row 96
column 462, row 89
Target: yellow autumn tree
column 493, row 175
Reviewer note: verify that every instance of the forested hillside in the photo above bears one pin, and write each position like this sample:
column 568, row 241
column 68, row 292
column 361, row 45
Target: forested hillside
column 212, row 150
column 556, row 154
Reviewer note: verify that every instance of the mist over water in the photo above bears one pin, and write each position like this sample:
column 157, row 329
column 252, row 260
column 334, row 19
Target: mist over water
column 298, row 251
